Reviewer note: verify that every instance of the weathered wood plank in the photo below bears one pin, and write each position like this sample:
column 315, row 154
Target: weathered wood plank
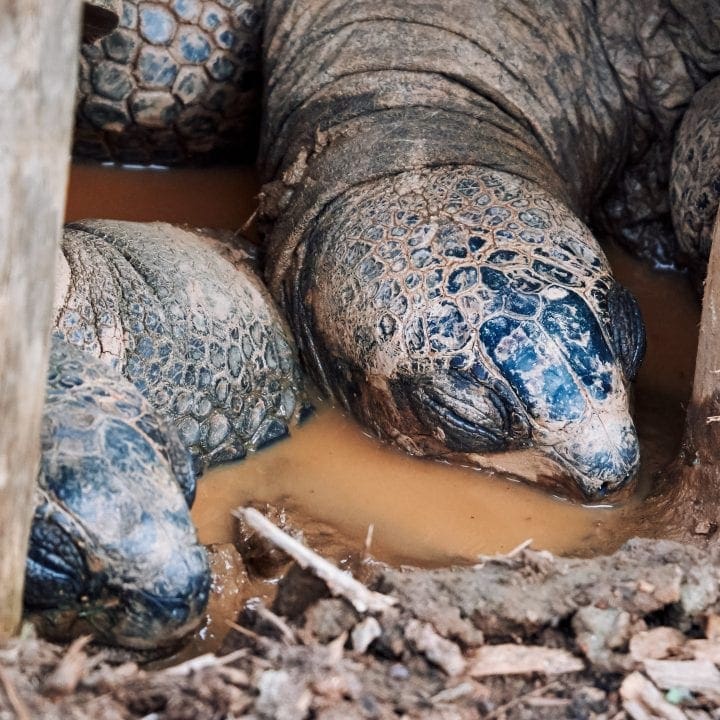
column 38, row 56
column 707, row 368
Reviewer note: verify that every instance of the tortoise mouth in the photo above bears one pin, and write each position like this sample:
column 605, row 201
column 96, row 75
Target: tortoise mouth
column 549, row 472
column 610, row 482
column 136, row 597
column 593, row 490
column 125, row 614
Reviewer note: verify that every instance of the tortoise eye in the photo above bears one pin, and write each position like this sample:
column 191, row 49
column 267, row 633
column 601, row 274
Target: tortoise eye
column 475, row 415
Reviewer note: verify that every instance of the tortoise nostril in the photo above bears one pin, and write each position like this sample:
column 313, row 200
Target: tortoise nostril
column 611, row 487
column 605, row 489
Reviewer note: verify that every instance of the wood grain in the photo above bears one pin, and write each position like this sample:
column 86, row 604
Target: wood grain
column 38, row 59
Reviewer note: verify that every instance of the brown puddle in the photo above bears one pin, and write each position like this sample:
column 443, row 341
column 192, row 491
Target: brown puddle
column 423, row 512
column 429, row 513
column 222, row 197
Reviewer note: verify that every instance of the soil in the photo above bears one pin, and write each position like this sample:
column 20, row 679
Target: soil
column 523, row 636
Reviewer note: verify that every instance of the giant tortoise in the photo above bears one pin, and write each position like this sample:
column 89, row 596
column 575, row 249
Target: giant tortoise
column 113, row 550
column 210, row 373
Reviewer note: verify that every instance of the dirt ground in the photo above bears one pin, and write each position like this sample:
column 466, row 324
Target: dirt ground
column 528, row 635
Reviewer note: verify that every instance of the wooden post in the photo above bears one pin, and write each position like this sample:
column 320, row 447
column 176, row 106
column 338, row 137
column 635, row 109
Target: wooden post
column 703, row 421
column 687, row 506
column 38, row 60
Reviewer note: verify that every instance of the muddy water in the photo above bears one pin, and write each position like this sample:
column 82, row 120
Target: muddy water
column 214, row 197
column 430, row 513
column 423, row 512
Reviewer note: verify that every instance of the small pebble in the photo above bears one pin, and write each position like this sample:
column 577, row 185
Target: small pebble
column 399, row 672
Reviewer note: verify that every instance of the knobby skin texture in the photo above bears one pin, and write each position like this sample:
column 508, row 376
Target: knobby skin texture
column 193, row 329
column 113, row 550
column 661, row 52
column 695, row 188
column 427, row 164
column 178, row 81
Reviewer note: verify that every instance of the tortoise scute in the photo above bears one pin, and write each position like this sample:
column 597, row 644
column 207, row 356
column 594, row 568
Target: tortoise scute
column 695, row 186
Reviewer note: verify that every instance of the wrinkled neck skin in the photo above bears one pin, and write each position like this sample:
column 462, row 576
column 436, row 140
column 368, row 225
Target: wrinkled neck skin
column 428, row 167
column 661, row 52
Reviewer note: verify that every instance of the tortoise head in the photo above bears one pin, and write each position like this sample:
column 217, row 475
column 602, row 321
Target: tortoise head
column 570, row 370
column 549, row 371
column 113, row 550
column 474, row 315
column 133, row 576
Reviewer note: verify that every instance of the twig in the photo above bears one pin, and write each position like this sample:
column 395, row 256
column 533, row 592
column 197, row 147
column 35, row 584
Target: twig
column 285, row 630
column 246, row 225
column 524, row 545
column 368, row 542
column 73, row 665
column 543, row 702
column 498, row 711
column 712, row 419
column 246, row 631
column 204, row 661
column 642, row 700
column 338, row 582
column 18, row 705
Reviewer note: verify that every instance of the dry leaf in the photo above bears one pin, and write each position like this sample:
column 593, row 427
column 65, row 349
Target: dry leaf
column 655, row 644
column 511, row 659
column 643, row 701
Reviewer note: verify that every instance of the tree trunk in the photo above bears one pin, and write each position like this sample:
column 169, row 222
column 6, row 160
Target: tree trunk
column 688, row 506
column 38, row 59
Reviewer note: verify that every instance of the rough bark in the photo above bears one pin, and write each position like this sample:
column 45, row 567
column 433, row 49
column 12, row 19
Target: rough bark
column 38, row 50
column 703, row 426
column 689, row 501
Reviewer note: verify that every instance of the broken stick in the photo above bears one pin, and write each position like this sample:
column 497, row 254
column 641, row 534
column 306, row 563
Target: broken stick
column 339, row 583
